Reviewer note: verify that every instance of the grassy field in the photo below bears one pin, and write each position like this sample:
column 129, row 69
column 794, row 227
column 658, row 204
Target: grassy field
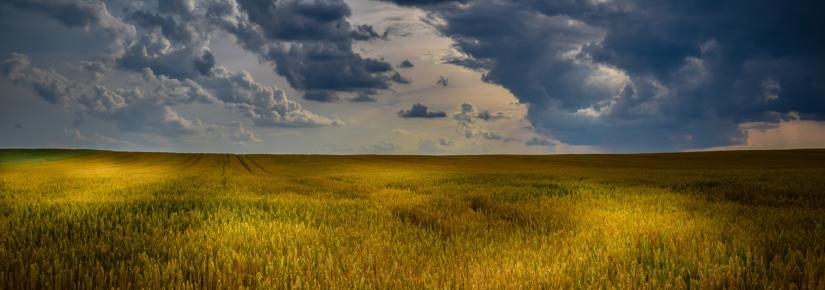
column 94, row 219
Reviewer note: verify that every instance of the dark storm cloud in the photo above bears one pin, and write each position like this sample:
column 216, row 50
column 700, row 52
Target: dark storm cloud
column 300, row 20
column 172, row 41
column 398, row 78
column 482, row 65
column 363, row 98
column 406, row 64
column 205, row 63
column 309, row 42
column 321, row 96
column 442, row 81
column 364, row 32
column 174, row 28
column 324, row 66
column 306, row 39
column 644, row 74
column 488, row 116
column 421, row 111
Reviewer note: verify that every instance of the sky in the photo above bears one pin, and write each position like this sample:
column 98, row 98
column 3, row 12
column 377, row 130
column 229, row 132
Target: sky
column 412, row 76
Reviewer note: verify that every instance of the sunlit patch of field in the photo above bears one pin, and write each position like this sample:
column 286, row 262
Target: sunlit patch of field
column 93, row 219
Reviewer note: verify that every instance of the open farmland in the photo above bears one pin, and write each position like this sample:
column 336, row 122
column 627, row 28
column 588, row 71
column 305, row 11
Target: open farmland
column 96, row 219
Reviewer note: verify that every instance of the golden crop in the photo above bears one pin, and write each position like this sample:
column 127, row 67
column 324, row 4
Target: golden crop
column 93, row 219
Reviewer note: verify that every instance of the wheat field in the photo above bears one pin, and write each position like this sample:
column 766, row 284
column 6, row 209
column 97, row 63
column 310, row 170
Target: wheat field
column 75, row 219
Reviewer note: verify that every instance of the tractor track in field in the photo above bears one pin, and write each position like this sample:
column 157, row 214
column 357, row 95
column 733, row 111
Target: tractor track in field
column 240, row 159
column 223, row 165
column 189, row 163
column 257, row 165
column 223, row 171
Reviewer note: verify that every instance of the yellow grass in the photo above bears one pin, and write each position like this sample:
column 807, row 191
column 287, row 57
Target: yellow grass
column 91, row 219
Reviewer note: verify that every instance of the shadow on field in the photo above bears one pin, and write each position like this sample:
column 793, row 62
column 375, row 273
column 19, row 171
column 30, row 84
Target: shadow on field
column 462, row 205
column 775, row 189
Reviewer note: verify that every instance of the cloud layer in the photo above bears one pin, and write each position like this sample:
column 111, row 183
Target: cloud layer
column 643, row 74
column 612, row 75
column 149, row 107
column 167, row 43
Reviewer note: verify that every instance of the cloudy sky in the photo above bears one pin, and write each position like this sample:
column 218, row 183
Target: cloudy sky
column 412, row 76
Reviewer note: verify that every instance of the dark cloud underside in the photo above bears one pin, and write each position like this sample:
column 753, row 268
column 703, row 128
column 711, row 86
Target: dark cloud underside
column 421, row 111
column 645, row 74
